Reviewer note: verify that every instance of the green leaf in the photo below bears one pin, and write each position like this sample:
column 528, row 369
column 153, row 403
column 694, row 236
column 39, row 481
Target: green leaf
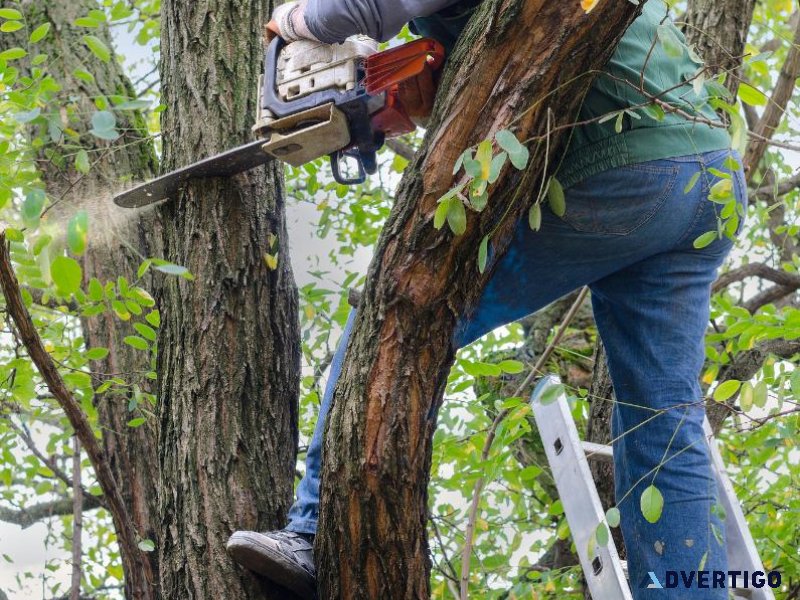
column 752, row 96
column 440, row 216
column 618, row 122
column 511, row 366
column 612, row 516
column 652, row 503
column 147, row 545
column 32, row 205
column 497, row 166
column 143, row 104
column 134, row 341
column 484, row 157
column 95, row 290
column 692, row 182
column 746, row 396
column 104, row 125
column 13, row 54
column 602, row 534
column 86, row 22
column 77, row 231
column 551, row 394
column 726, row 389
column 670, row 42
column 517, row 152
column 98, row 48
column 98, row 353
column 154, row 318
column 39, row 33
column 483, row 251
column 26, row 116
column 121, row 310
column 67, row 274
column 457, row 217
column 171, row 269
column 82, row 161
column 705, row 239
column 11, row 26
column 760, row 394
column 535, row 217
column 555, row 197
column 83, row 75
column 146, row 332
column 137, row 422
column 10, row 13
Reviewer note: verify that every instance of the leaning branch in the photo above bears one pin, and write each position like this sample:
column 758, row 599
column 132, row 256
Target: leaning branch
column 126, row 533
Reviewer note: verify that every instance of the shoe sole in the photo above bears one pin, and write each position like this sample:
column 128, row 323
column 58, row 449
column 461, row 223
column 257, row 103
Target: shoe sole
column 247, row 549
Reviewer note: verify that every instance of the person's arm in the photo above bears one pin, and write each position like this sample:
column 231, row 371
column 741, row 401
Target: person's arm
column 332, row 21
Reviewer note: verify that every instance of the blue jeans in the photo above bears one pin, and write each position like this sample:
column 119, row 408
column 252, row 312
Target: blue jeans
column 627, row 233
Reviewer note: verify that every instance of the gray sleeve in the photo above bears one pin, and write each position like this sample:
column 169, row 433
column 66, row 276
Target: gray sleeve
column 332, row 21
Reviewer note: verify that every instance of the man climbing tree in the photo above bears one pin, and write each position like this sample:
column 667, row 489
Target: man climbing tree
column 633, row 224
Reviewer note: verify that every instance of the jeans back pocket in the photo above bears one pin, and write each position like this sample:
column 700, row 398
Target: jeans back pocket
column 619, row 201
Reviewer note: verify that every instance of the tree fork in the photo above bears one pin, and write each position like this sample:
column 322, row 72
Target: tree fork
column 511, row 65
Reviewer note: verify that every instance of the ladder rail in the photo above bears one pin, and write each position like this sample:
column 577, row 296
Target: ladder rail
column 568, row 456
column 603, row 571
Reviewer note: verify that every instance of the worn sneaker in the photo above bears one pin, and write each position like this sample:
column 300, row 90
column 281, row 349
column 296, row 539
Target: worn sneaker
column 285, row 557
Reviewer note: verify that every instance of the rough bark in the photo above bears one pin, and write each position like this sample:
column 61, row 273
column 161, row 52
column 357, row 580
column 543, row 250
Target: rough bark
column 117, row 239
column 229, row 352
column 378, row 444
column 719, row 32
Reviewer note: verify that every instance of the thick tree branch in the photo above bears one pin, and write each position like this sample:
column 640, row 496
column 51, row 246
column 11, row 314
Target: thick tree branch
column 27, row 516
column 767, row 192
column 126, row 534
column 783, row 278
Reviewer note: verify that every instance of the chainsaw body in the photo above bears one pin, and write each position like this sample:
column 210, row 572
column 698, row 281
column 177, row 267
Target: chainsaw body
column 315, row 99
column 342, row 100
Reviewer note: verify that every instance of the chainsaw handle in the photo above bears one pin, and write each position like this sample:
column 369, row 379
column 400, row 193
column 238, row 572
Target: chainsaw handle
column 336, row 160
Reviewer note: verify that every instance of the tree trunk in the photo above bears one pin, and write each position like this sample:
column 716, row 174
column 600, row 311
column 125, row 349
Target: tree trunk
column 719, row 32
column 377, row 451
column 229, row 345
column 116, row 243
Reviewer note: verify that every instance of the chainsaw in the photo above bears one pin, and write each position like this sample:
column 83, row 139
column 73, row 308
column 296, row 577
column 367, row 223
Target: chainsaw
column 341, row 100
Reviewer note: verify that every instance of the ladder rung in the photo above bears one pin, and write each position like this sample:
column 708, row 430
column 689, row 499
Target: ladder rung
column 599, row 452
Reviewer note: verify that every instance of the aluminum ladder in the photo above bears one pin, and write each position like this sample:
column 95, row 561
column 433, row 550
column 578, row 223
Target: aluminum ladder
column 606, row 574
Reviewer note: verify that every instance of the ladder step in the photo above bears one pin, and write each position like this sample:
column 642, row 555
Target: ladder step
column 599, row 452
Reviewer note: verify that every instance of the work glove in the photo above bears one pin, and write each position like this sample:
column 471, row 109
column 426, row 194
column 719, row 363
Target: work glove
column 288, row 21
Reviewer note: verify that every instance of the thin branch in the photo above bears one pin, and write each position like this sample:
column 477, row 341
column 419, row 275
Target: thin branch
column 777, row 190
column 776, row 108
column 30, row 515
column 132, row 557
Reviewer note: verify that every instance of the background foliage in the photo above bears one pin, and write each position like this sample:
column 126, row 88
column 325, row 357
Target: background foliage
column 521, row 548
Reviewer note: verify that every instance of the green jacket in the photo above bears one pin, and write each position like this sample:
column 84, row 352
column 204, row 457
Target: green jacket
column 596, row 147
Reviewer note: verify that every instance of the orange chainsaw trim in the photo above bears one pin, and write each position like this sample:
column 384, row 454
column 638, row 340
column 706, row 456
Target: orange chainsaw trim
column 406, row 74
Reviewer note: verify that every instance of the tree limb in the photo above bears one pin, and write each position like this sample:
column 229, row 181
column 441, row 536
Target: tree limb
column 27, row 516
column 401, row 149
column 132, row 556
column 789, row 280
